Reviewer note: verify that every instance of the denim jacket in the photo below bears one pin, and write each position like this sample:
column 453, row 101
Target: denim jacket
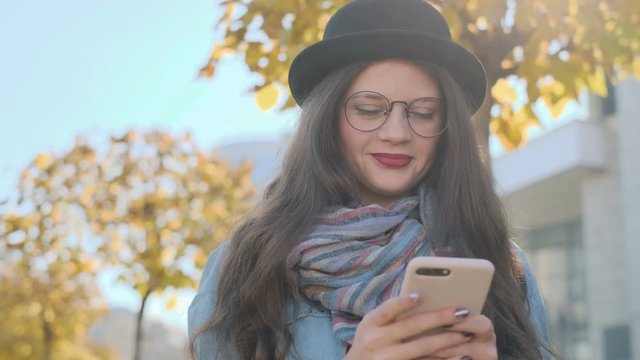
column 313, row 337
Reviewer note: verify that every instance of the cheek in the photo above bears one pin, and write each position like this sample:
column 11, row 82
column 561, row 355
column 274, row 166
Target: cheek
column 428, row 151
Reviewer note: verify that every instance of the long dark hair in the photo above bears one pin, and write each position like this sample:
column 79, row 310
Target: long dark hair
column 254, row 287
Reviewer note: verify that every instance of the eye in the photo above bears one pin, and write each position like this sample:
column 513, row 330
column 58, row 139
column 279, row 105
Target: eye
column 368, row 110
column 426, row 109
column 420, row 115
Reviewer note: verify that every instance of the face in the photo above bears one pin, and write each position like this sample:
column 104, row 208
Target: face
column 390, row 160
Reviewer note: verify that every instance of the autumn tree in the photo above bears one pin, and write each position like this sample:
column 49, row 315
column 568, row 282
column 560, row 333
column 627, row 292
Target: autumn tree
column 47, row 315
column 47, row 271
column 554, row 49
column 150, row 207
column 160, row 204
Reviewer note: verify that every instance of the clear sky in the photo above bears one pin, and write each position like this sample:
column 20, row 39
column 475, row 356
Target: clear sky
column 95, row 68
column 74, row 67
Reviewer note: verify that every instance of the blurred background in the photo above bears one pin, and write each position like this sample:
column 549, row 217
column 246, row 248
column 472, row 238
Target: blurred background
column 135, row 133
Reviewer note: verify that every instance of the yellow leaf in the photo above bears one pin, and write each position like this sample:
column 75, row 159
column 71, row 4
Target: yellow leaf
column 558, row 88
column 526, row 117
column 503, row 92
column 133, row 136
column 267, row 97
column 481, row 23
column 472, row 5
column 56, row 214
column 216, row 209
column 597, row 82
column 509, row 133
column 114, row 188
column 200, row 259
column 49, row 315
column 573, row 7
column 116, row 242
column 323, row 19
column 24, row 223
column 506, row 63
column 220, row 233
column 175, row 224
column 230, row 9
column 492, row 10
column 172, row 301
column 506, row 113
column 472, row 28
column 558, row 107
column 207, row 71
column 43, row 160
column 166, row 256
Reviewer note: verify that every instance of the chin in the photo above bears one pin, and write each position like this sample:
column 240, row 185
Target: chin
column 390, row 188
column 393, row 192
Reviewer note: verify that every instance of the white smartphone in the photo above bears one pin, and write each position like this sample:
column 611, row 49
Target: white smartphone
column 445, row 282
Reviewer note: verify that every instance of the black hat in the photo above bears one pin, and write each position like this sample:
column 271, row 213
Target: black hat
column 366, row 30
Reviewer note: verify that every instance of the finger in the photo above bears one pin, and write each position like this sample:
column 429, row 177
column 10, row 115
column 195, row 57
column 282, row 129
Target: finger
column 425, row 346
column 389, row 310
column 478, row 325
column 425, row 322
column 470, row 349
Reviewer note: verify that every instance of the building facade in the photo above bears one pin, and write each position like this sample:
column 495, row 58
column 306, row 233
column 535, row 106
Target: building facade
column 573, row 198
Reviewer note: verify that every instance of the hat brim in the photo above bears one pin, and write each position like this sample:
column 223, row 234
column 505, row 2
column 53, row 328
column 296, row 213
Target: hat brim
column 320, row 59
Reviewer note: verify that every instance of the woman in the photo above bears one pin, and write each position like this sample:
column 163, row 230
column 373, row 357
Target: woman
column 383, row 167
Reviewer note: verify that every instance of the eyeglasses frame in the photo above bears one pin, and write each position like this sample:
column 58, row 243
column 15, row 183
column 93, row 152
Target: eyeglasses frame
column 391, row 104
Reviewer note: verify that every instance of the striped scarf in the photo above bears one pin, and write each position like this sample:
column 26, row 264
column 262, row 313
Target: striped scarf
column 354, row 259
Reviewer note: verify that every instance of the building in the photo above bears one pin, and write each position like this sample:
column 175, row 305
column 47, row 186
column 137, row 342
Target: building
column 573, row 196
column 117, row 331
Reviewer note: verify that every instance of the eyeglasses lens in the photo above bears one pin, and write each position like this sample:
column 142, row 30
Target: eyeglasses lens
column 367, row 111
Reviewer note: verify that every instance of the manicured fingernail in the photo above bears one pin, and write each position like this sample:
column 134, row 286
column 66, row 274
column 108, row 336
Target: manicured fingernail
column 466, row 357
column 414, row 296
column 461, row 313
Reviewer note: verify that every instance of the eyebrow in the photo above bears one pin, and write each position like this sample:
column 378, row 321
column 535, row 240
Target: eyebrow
column 436, row 99
column 376, row 95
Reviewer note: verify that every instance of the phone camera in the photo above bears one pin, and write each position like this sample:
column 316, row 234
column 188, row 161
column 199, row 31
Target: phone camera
column 433, row 271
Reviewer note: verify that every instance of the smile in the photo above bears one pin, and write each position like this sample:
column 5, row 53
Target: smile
column 393, row 160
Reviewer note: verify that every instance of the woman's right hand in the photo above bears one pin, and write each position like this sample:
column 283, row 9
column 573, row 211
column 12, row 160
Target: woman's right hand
column 380, row 336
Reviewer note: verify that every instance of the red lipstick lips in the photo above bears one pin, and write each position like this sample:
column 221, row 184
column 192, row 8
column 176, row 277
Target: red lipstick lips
column 393, row 160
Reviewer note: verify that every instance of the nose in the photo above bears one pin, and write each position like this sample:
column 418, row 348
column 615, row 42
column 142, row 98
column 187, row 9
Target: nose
column 396, row 128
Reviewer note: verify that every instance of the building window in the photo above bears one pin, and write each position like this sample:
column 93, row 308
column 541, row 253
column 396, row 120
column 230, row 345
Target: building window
column 609, row 102
column 617, row 344
column 556, row 256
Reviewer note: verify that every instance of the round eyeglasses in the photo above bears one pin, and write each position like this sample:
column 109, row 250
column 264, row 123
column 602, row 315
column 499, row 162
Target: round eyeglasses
column 369, row 110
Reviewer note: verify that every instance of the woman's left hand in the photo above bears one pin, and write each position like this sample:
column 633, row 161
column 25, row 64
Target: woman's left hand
column 482, row 345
